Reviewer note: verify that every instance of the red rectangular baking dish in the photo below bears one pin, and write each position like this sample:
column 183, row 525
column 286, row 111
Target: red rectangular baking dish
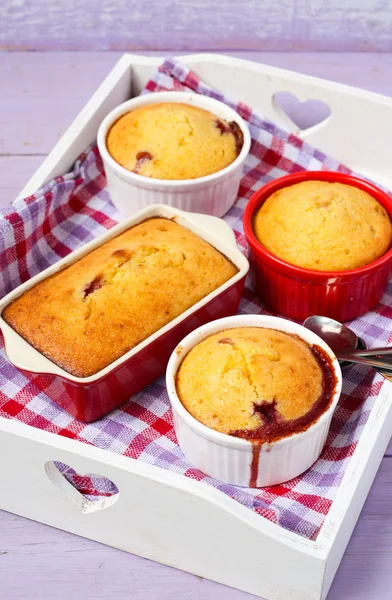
column 89, row 398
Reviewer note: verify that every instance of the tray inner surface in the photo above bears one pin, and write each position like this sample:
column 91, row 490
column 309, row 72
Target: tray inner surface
column 75, row 208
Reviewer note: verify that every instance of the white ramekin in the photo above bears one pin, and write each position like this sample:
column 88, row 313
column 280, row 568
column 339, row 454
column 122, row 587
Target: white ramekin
column 229, row 458
column 212, row 195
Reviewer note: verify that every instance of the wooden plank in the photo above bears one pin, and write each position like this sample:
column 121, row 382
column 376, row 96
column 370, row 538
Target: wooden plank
column 15, row 173
column 43, row 95
column 193, row 25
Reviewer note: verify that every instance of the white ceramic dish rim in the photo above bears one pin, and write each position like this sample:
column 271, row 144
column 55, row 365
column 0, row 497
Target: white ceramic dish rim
column 217, row 107
column 199, row 334
column 223, row 239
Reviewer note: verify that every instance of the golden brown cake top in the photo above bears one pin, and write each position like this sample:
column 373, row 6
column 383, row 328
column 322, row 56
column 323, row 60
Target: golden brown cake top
column 86, row 316
column 324, row 226
column 173, row 141
column 255, row 383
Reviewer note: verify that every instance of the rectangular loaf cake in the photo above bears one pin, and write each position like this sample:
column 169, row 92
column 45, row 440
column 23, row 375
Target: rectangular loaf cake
column 89, row 314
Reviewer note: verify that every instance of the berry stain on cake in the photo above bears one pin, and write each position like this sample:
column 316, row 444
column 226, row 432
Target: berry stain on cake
column 141, row 159
column 173, row 141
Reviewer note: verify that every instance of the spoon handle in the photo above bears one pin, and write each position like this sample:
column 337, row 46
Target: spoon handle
column 387, row 351
column 385, row 374
column 371, row 362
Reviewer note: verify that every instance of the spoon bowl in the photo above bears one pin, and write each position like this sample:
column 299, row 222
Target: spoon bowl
column 341, row 339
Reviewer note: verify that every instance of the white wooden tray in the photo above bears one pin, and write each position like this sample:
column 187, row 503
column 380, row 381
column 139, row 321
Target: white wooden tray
column 171, row 518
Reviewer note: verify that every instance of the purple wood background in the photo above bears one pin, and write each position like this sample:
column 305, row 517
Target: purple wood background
column 337, row 25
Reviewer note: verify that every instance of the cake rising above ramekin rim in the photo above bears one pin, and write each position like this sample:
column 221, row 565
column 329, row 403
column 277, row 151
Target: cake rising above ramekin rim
column 211, row 193
column 261, row 411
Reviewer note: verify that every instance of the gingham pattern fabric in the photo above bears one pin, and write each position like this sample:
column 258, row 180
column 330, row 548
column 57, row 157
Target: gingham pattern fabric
column 71, row 210
column 92, row 486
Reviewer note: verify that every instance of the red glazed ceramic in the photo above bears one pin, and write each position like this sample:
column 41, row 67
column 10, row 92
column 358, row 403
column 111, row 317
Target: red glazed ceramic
column 90, row 398
column 297, row 292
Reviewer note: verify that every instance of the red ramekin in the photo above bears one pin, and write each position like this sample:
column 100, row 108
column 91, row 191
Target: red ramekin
column 297, row 292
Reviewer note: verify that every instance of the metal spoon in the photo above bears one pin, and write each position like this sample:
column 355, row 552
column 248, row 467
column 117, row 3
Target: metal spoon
column 365, row 360
column 344, row 342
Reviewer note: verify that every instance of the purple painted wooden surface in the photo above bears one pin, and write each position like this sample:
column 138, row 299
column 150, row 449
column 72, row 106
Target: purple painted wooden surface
column 197, row 24
column 36, row 106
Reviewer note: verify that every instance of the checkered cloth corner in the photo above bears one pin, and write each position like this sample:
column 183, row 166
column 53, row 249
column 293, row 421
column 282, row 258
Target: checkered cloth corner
column 91, row 486
column 39, row 230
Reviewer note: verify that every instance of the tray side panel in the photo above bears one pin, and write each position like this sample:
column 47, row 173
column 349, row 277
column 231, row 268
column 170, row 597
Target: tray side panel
column 357, row 133
column 347, row 505
column 335, row 26
column 154, row 519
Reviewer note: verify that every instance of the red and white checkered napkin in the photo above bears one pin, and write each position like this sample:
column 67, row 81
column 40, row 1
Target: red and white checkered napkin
column 37, row 231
